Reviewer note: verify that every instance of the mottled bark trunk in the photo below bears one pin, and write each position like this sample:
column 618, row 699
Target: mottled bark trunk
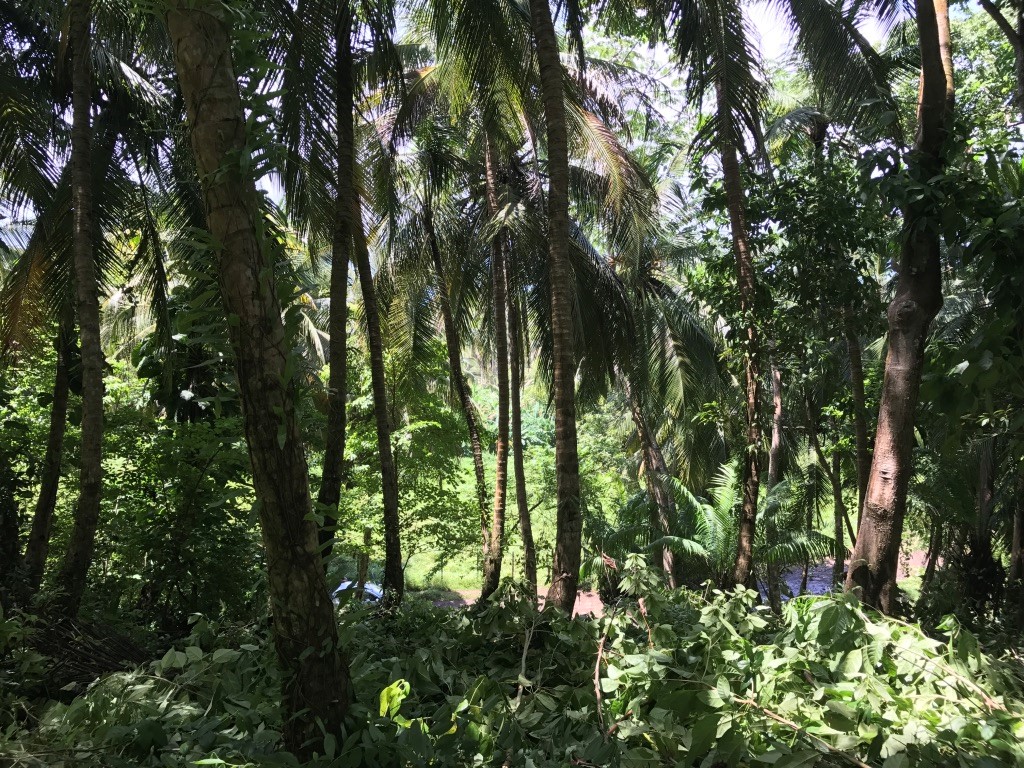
column 394, row 579
column 38, row 546
column 775, row 462
column 454, row 348
column 517, row 364
column 743, row 567
column 569, row 520
column 316, row 688
column 655, row 470
column 918, row 299
column 75, row 569
column 329, row 494
column 860, row 418
column 494, row 534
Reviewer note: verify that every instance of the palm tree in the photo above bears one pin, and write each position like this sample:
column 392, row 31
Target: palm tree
column 87, row 512
column 316, row 685
column 569, row 522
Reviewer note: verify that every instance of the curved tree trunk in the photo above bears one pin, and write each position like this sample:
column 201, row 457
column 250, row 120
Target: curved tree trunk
column 516, row 360
column 38, row 546
column 860, row 419
column 454, row 348
column 316, row 686
column 87, row 512
column 394, row 579
column 569, row 522
column 329, row 493
column 743, row 568
column 1015, row 37
column 655, row 468
column 775, row 461
column 918, row 299
column 494, row 534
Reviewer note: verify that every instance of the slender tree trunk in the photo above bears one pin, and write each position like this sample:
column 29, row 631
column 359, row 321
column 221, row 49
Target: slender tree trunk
column 743, row 569
column 839, row 514
column 494, row 534
column 918, row 299
column 934, row 552
column 454, row 347
column 775, row 460
column 329, row 494
column 516, row 359
column 985, row 577
column 394, row 579
column 38, row 546
column 655, row 468
column 569, row 523
column 1015, row 37
column 316, row 687
column 83, row 535
column 860, row 419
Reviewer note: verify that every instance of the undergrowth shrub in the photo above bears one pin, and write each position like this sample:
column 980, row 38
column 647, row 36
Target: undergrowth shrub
column 659, row 680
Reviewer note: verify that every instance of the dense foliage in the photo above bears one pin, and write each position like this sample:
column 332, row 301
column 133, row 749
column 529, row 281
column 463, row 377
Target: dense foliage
column 663, row 399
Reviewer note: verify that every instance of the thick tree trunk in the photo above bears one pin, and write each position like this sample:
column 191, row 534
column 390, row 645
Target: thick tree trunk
column 743, row 568
column 494, row 534
column 316, row 686
column 329, row 494
column 516, row 359
column 454, row 347
column 775, row 461
column 655, row 469
column 394, row 578
column 569, row 521
column 38, row 546
column 87, row 512
column 918, row 299
column 860, row 418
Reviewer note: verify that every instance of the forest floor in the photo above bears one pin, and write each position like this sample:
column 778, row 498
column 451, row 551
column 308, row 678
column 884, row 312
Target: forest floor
column 819, row 582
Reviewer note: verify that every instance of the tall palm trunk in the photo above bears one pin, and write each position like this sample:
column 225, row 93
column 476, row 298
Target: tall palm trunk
column 655, row 469
column 83, row 534
column 860, row 418
column 394, row 579
column 917, row 301
column 775, row 460
column 494, row 534
column 565, row 566
column 329, row 493
column 838, row 515
column 517, row 359
column 316, row 687
column 454, row 348
column 38, row 546
column 743, row 568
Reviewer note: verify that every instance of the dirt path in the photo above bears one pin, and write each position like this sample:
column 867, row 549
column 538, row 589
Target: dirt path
column 586, row 602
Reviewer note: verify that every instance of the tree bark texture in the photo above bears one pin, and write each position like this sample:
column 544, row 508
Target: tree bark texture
column 775, row 462
column 517, row 364
column 494, row 534
column 569, row 519
column 394, row 577
column 918, row 299
column 743, row 568
column 38, row 546
column 316, row 687
column 78, row 558
column 329, row 494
